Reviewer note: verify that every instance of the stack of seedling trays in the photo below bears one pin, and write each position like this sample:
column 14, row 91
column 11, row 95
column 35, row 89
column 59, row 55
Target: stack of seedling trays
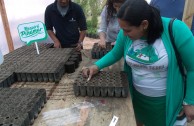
column 73, row 62
column 49, row 66
column 98, row 52
column 6, row 78
column 24, row 64
column 15, row 59
column 19, row 107
column 103, row 84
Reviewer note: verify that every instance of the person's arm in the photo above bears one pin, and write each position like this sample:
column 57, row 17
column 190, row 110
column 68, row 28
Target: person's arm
column 82, row 28
column 103, row 28
column 115, row 54
column 49, row 27
column 185, row 46
column 82, row 36
column 81, row 39
column 52, row 35
column 102, row 42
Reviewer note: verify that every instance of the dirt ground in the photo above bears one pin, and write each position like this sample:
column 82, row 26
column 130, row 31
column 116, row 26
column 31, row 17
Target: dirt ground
column 88, row 42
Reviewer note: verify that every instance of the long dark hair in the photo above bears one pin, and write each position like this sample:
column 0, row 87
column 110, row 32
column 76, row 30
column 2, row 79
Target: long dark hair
column 110, row 9
column 135, row 11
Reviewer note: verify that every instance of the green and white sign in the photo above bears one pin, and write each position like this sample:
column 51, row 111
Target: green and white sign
column 32, row 32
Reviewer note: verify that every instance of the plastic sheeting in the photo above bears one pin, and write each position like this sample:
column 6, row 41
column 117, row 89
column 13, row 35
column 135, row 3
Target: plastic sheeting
column 19, row 12
column 75, row 114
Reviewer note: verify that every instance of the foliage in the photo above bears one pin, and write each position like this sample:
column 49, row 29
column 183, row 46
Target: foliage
column 92, row 10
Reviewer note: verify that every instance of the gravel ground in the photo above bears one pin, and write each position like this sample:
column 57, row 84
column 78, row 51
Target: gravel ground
column 88, row 42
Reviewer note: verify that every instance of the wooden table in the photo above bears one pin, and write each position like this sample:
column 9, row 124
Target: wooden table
column 61, row 96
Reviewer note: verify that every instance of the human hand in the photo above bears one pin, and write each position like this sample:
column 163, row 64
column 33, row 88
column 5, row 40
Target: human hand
column 113, row 43
column 189, row 112
column 88, row 72
column 57, row 44
column 102, row 44
column 79, row 47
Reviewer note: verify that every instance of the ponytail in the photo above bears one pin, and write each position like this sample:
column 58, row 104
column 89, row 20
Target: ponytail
column 155, row 28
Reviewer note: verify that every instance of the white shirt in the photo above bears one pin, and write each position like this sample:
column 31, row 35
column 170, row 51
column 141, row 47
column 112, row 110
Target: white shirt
column 149, row 65
column 111, row 28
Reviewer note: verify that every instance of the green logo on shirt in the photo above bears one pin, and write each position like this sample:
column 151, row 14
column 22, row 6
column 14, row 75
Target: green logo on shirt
column 143, row 54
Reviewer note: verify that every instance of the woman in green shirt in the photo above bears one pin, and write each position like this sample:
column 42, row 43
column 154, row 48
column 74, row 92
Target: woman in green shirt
column 156, row 84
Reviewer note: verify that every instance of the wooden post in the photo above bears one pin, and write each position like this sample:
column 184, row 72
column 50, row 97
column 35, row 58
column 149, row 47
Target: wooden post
column 6, row 26
column 188, row 12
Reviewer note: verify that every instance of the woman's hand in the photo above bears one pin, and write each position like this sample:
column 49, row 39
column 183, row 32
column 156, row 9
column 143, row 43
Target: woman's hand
column 102, row 44
column 113, row 43
column 189, row 112
column 90, row 71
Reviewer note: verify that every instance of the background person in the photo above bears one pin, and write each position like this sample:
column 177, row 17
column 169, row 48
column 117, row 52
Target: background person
column 156, row 84
column 68, row 20
column 109, row 26
column 171, row 9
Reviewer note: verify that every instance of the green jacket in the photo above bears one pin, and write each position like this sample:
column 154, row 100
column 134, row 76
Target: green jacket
column 184, row 41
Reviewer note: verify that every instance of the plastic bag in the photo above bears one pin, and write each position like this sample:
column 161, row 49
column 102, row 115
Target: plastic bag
column 62, row 117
